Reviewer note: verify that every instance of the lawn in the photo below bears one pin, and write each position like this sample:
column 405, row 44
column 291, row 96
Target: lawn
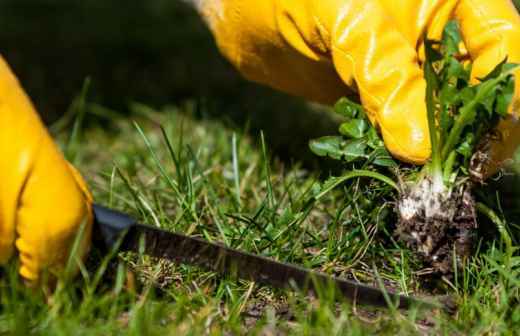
column 195, row 167
column 203, row 178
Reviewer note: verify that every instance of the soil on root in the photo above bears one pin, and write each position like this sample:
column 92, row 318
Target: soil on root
column 442, row 237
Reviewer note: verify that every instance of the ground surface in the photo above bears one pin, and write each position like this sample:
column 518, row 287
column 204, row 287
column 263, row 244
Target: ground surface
column 223, row 185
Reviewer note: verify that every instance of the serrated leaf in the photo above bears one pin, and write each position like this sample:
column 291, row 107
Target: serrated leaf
column 455, row 70
column 348, row 109
column 495, row 88
column 466, row 148
column 449, row 94
column 453, row 76
column 500, row 69
column 488, row 100
column 458, row 111
column 354, row 128
column 505, row 99
column 451, row 38
column 467, row 95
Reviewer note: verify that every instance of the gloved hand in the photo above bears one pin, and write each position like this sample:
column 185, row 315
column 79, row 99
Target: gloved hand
column 43, row 200
column 325, row 49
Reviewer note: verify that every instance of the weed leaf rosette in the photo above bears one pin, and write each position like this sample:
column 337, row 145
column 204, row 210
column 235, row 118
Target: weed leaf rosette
column 434, row 203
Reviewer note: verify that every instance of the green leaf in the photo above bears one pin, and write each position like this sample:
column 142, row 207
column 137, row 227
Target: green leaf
column 484, row 97
column 374, row 140
column 383, row 158
column 432, row 47
column 355, row 150
column 466, row 148
column 454, row 77
column 338, row 148
column 496, row 93
column 327, row 146
column 502, row 68
column 445, row 121
column 348, row 109
column 451, row 38
column 488, row 100
column 467, row 95
column 505, row 99
column 354, row 128
column 449, row 94
column 334, row 182
column 455, row 70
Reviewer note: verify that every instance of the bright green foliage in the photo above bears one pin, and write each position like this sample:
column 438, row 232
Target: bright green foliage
column 182, row 177
column 460, row 114
column 359, row 142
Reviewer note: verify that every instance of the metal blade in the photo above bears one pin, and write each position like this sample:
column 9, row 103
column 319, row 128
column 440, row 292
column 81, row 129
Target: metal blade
column 194, row 251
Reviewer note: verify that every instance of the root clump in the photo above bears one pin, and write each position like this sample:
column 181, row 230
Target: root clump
column 437, row 222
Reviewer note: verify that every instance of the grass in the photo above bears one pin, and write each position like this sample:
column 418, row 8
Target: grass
column 202, row 178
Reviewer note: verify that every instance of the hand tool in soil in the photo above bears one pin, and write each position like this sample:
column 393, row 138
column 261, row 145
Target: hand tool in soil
column 113, row 227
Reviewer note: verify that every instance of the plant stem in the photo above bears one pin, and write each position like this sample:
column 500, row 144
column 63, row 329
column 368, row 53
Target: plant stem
column 448, row 167
column 435, row 165
column 467, row 113
column 458, row 127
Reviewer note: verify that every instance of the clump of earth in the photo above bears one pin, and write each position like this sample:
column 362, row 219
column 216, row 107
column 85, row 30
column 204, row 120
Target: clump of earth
column 438, row 223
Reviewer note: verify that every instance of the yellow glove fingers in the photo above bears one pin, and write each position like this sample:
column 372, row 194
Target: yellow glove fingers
column 491, row 32
column 390, row 82
column 414, row 17
column 41, row 203
column 323, row 49
column 15, row 156
column 50, row 212
column 276, row 43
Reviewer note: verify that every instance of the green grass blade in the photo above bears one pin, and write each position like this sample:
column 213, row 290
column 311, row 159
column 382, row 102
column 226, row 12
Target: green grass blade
column 354, row 174
column 236, row 171
column 267, row 172
column 73, row 146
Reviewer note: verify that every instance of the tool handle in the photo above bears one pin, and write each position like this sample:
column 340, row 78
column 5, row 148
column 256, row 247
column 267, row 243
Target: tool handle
column 110, row 226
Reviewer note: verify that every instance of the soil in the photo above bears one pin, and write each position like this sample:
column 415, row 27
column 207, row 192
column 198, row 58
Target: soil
column 439, row 236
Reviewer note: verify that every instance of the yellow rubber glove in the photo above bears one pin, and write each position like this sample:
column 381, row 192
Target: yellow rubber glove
column 43, row 200
column 325, row 49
